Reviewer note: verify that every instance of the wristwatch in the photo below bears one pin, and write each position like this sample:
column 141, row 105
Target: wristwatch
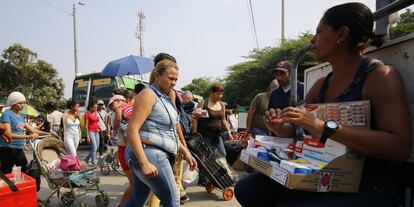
column 330, row 128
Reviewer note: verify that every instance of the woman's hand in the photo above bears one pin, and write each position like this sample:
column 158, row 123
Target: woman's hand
column 272, row 119
column 190, row 160
column 149, row 169
column 197, row 112
column 33, row 136
column 303, row 118
column 6, row 136
column 88, row 140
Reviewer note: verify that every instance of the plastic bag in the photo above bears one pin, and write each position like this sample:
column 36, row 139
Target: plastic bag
column 190, row 178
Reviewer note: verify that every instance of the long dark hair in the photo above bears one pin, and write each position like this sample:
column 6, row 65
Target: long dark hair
column 71, row 104
column 358, row 18
column 91, row 105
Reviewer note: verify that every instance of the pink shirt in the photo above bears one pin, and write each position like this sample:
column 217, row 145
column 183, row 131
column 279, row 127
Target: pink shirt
column 126, row 111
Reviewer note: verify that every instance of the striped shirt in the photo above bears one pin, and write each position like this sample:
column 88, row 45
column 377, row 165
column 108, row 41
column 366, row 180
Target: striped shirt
column 126, row 111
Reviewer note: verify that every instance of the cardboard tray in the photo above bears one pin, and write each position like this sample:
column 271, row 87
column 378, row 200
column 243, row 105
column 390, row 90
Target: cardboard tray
column 342, row 174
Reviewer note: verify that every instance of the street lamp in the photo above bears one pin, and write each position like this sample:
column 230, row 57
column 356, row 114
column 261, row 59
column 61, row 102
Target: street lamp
column 75, row 48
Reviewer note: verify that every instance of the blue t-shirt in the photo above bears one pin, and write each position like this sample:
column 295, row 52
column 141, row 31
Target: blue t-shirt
column 17, row 127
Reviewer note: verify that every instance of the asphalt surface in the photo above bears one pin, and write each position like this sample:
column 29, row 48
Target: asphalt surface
column 114, row 185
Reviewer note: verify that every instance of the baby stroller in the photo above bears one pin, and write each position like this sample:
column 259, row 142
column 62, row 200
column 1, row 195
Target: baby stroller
column 69, row 186
column 110, row 160
column 212, row 165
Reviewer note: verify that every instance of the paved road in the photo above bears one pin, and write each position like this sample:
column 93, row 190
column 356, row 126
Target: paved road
column 115, row 184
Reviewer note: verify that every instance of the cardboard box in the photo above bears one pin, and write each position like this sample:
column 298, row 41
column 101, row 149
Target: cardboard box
column 342, row 174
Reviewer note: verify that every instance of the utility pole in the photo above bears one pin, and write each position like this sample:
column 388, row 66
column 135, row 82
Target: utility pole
column 75, row 44
column 139, row 34
column 75, row 50
column 283, row 21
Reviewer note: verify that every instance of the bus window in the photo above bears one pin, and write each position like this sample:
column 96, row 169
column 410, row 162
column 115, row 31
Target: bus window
column 102, row 89
column 80, row 90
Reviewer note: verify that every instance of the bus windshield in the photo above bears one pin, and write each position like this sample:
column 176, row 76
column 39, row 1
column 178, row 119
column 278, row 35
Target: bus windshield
column 80, row 90
column 102, row 89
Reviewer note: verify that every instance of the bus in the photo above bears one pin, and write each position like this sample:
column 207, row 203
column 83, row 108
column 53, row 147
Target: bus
column 92, row 87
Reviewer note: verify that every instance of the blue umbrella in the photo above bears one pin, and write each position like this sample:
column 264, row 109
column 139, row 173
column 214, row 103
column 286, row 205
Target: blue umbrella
column 129, row 65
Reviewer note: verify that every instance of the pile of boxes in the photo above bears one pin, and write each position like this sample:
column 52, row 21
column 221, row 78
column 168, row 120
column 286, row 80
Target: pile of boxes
column 329, row 167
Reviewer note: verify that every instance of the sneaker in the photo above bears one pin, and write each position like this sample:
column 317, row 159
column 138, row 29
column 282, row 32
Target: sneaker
column 86, row 161
column 184, row 198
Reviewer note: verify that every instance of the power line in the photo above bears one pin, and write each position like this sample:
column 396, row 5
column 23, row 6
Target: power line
column 254, row 24
column 56, row 7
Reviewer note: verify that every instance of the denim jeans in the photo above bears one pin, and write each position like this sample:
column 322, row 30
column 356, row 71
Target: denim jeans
column 258, row 131
column 94, row 136
column 163, row 185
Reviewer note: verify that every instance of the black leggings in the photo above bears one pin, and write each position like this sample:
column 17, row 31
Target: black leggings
column 10, row 157
column 259, row 190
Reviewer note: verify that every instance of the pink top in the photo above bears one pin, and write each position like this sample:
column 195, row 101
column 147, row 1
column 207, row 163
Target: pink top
column 126, row 111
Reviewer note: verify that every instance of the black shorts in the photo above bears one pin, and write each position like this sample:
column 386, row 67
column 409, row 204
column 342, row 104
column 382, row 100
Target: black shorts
column 10, row 157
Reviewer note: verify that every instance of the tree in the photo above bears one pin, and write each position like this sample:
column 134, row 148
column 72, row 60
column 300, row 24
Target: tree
column 199, row 86
column 404, row 25
column 37, row 79
column 246, row 79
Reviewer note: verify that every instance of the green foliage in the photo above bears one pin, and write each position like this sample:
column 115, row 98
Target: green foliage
column 404, row 25
column 246, row 79
column 199, row 86
column 36, row 79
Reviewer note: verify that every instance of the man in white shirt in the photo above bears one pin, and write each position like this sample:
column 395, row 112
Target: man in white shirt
column 54, row 120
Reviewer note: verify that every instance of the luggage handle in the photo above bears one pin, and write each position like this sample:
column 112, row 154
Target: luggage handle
column 8, row 182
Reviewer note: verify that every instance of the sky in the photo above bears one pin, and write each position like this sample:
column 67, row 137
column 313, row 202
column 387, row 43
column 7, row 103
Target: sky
column 205, row 36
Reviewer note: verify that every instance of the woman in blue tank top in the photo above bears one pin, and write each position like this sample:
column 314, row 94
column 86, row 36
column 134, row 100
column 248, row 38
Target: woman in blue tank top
column 341, row 36
column 153, row 140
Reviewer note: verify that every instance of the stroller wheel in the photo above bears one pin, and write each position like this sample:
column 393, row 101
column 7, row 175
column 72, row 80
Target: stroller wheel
column 228, row 194
column 67, row 198
column 209, row 187
column 100, row 201
column 105, row 170
column 105, row 198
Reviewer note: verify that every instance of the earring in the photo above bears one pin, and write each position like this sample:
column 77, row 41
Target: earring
column 338, row 41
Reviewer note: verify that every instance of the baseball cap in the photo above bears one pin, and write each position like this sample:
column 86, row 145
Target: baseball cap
column 100, row 102
column 114, row 98
column 282, row 66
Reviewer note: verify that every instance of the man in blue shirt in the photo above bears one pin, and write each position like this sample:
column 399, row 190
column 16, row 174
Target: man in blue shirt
column 280, row 97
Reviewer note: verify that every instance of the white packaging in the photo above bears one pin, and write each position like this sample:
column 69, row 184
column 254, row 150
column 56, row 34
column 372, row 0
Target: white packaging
column 323, row 152
column 273, row 141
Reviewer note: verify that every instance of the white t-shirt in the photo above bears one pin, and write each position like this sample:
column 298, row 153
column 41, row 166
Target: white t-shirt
column 54, row 118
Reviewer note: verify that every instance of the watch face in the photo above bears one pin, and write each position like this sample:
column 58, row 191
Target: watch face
column 332, row 124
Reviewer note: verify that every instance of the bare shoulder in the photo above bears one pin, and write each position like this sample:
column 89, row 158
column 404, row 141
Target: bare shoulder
column 145, row 96
column 385, row 79
column 313, row 93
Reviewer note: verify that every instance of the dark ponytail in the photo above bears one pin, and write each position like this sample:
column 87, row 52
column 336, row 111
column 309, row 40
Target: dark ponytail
column 357, row 17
